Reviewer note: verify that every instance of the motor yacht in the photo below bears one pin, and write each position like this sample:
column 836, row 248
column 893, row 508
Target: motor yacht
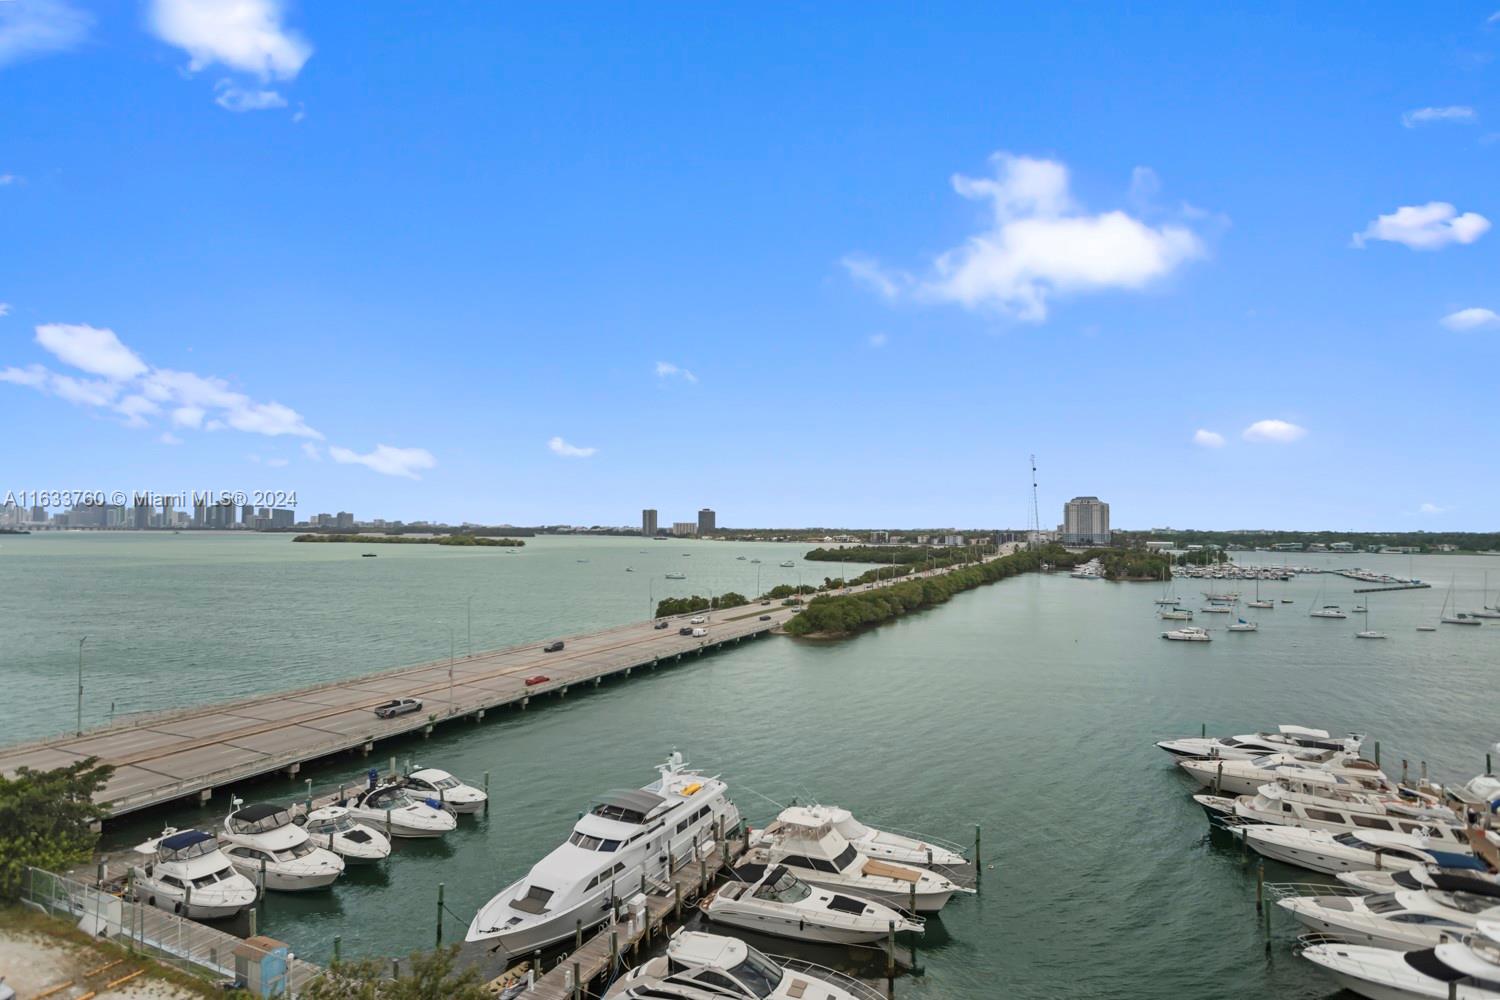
column 814, row 850
column 1188, row 634
column 887, row 845
column 700, row 966
column 263, row 838
column 1244, row 777
column 332, row 827
column 1465, row 970
column 676, row 576
column 1243, row 626
column 1332, row 853
column 1322, row 801
column 1286, row 739
column 1400, row 920
column 775, row 901
column 397, row 811
column 1426, row 877
column 1328, row 611
column 188, row 875
column 624, row 835
column 434, row 783
column 1175, row 614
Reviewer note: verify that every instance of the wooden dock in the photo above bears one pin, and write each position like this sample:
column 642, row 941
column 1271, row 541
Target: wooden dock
column 192, row 752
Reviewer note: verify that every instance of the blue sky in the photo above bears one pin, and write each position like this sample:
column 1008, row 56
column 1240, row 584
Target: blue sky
column 839, row 265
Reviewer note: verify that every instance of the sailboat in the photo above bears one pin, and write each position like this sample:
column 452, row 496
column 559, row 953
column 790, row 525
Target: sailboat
column 1367, row 632
column 1486, row 611
column 1457, row 617
column 1258, row 603
column 1166, row 600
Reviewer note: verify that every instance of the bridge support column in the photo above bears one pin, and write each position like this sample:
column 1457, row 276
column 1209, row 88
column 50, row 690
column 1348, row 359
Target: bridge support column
column 204, row 794
column 427, row 730
column 597, row 680
column 563, row 692
column 367, row 748
column 479, row 715
column 292, row 770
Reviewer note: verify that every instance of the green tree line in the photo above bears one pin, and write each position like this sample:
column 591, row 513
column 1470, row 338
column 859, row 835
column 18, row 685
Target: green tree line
column 687, row 605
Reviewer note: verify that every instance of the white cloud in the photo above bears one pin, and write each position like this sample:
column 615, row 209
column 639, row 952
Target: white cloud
column 34, row 376
column 1208, row 439
column 1456, row 113
column 244, row 35
column 135, row 409
column 168, row 437
column 8, row 179
column 312, row 451
column 1431, row 508
column 37, row 27
column 96, row 351
column 1425, row 227
column 299, row 114
column 1471, row 319
column 388, row 461
column 665, row 369
column 878, row 340
column 1041, row 244
column 4, row 309
column 232, row 97
column 560, row 447
column 1274, row 431
column 83, row 391
column 188, row 416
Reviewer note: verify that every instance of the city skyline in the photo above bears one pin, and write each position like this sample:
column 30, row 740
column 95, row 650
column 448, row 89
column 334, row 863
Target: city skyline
column 365, row 289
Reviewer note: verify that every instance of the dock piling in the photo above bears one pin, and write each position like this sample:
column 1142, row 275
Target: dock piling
column 440, row 916
column 338, row 946
column 251, row 915
column 890, row 958
column 1377, row 753
column 577, row 986
column 260, row 885
column 1488, row 768
column 486, row 793
column 1260, row 887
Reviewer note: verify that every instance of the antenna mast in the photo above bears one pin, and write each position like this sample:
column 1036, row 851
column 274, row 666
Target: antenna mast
column 1036, row 514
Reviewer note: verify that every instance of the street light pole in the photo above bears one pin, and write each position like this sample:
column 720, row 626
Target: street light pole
column 469, row 626
column 79, row 729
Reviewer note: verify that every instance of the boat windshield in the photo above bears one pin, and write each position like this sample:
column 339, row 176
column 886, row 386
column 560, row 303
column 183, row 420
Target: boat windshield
column 196, row 849
column 787, row 889
column 223, row 875
column 757, row 973
column 302, row 850
column 249, row 822
column 446, row 784
column 340, row 824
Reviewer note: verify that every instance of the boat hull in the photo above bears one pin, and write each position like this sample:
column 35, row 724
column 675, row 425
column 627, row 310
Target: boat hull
column 794, row 928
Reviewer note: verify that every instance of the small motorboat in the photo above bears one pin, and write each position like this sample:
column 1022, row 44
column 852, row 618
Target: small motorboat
column 676, row 576
column 332, row 827
column 775, row 901
column 1328, row 611
column 1369, row 633
column 368, row 555
column 788, row 564
column 1175, row 614
column 397, row 811
column 264, row 838
column 1188, row 634
column 1426, row 628
column 189, row 875
column 1243, row 626
column 1286, row 600
column 699, row 966
column 438, row 784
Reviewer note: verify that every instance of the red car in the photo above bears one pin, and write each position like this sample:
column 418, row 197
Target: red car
column 537, row 679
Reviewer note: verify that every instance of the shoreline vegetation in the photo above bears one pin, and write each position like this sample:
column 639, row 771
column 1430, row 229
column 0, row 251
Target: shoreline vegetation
column 469, row 540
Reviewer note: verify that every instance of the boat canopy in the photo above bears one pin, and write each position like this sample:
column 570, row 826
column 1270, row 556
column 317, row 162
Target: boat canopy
column 260, row 817
column 185, row 845
column 627, row 805
column 1319, row 734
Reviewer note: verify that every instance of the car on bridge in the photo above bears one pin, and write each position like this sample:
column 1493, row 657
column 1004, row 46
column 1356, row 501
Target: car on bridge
column 553, row 647
column 662, row 624
column 536, row 679
column 398, row 706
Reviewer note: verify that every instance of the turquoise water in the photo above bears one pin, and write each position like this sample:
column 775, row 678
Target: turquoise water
column 1029, row 707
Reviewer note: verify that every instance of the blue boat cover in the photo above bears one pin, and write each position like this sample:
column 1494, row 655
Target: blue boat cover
column 186, row 838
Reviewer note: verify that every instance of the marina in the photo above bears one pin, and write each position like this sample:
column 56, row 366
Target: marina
column 1155, row 690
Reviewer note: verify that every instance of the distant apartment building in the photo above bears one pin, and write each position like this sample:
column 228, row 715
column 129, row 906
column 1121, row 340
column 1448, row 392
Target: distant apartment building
column 684, row 529
column 648, row 522
column 247, row 516
column 706, row 525
column 282, row 518
column 1341, row 547
column 879, row 537
column 344, row 520
column 1085, row 521
column 38, row 515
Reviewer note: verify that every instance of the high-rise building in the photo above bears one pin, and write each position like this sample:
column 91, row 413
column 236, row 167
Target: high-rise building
column 706, row 524
column 200, row 514
column 140, row 517
column 344, row 520
column 282, row 517
column 38, row 515
column 247, row 516
column 648, row 523
column 684, row 529
column 1085, row 522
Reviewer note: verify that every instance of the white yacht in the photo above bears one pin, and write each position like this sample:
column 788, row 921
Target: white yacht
column 699, row 966
column 1188, row 633
column 1286, row 739
column 1466, row 970
column 788, row 564
column 1244, row 777
column 1332, row 853
column 774, row 901
column 1321, row 801
column 1328, row 611
column 885, row 844
column 809, row 845
column 187, row 874
column 1217, row 609
column 624, row 835
column 397, row 811
column 1468, row 880
column 1243, row 626
column 332, row 827
column 1400, row 920
column 434, row 783
column 263, row 837
column 1175, row 614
